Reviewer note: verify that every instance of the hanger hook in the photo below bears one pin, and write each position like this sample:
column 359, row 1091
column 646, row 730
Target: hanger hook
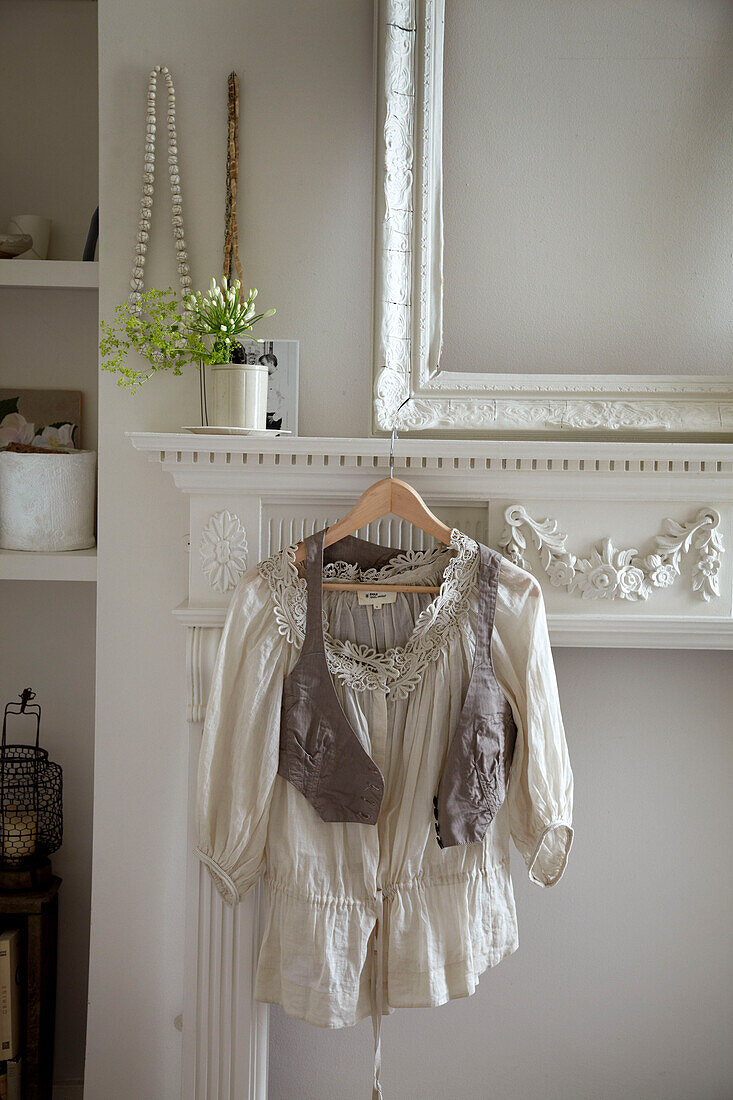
column 393, row 437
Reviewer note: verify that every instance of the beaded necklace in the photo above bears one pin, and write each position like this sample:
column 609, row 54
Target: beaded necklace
column 146, row 200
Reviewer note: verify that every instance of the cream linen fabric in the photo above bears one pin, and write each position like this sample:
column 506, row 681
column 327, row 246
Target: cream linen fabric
column 401, row 672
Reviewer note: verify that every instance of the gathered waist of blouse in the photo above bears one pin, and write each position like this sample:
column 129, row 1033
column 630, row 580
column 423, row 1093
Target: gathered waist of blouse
column 415, row 884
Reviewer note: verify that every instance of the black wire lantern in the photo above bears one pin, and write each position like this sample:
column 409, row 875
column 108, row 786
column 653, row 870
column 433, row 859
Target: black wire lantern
column 31, row 822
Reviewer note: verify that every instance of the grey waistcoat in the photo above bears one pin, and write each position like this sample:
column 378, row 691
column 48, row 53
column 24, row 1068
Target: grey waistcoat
column 324, row 759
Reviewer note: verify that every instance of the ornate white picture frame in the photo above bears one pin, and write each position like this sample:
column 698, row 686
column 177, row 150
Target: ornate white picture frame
column 411, row 392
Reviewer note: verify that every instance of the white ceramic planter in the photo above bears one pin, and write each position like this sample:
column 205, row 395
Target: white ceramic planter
column 239, row 397
column 47, row 500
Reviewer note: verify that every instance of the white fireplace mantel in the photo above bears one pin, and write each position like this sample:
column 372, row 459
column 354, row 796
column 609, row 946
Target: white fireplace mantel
column 616, row 503
column 629, row 541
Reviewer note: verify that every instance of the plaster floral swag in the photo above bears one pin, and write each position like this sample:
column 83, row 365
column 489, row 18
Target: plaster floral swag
column 614, row 574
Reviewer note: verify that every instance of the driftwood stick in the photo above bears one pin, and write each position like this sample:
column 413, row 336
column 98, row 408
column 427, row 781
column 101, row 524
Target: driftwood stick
column 231, row 235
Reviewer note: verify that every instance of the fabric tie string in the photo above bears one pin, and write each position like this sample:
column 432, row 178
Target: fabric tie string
column 378, row 996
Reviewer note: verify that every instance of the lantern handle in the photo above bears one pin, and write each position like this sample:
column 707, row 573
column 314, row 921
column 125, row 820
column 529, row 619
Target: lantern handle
column 25, row 697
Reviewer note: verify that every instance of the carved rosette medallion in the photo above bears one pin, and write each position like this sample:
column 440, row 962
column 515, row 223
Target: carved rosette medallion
column 224, row 550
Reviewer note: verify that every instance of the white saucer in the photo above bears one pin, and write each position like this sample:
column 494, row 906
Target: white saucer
column 215, row 429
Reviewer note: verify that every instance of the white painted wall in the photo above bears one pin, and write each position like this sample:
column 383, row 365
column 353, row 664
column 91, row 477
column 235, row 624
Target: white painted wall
column 620, row 986
column 593, row 233
column 306, row 230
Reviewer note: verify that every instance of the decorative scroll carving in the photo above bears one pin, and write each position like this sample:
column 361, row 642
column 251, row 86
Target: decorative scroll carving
column 409, row 285
column 224, row 550
column 609, row 573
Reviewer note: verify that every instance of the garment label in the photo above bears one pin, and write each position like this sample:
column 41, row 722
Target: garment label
column 375, row 599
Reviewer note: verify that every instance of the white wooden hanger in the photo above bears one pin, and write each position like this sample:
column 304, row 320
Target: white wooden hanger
column 390, row 496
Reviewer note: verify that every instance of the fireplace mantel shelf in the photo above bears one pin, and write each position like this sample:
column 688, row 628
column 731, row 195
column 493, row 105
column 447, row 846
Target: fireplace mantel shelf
column 588, row 519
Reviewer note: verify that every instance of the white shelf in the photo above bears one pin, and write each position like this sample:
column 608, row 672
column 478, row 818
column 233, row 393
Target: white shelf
column 71, row 565
column 69, row 274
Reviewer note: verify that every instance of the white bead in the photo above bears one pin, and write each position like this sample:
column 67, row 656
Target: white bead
column 180, row 246
column 146, row 202
column 183, row 268
column 135, row 296
column 150, row 158
column 177, row 220
column 136, row 284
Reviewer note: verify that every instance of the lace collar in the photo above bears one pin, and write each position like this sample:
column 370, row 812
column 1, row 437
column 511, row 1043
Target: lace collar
column 399, row 669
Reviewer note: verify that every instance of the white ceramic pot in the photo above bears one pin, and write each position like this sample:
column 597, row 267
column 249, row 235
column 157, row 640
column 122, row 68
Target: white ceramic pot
column 38, row 228
column 47, row 500
column 239, row 398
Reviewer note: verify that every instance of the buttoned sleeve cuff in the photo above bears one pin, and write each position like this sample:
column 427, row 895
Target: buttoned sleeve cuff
column 549, row 857
column 224, row 883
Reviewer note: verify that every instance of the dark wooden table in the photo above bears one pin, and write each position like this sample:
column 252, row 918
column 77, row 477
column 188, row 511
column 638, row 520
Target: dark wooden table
column 35, row 913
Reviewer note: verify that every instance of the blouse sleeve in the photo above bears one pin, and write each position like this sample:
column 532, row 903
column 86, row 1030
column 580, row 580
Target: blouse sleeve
column 540, row 794
column 239, row 751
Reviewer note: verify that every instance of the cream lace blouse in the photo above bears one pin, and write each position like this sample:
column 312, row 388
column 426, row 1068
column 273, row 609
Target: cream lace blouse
column 400, row 672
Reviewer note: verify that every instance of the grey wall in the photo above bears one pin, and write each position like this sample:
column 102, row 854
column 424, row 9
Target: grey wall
column 48, row 340
column 48, row 645
column 620, row 988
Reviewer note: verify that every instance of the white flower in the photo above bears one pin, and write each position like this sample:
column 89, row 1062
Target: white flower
column 58, row 439
column 560, row 573
column 603, row 579
column 597, row 576
column 632, row 583
column 663, row 576
column 709, row 564
column 15, row 429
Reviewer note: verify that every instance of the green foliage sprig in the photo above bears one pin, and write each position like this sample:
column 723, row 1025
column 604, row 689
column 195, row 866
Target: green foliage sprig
column 155, row 328
column 170, row 334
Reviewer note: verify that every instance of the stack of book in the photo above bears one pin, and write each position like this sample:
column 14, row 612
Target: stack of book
column 10, row 1015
